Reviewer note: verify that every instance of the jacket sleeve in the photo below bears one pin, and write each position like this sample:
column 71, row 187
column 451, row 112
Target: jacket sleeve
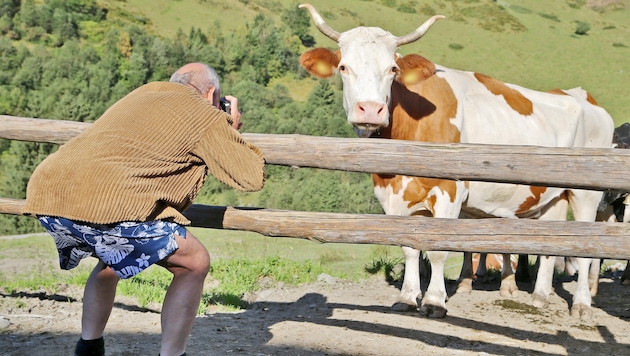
column 230, row 158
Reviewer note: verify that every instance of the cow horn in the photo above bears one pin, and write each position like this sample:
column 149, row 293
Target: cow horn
column 417, row 34
column 320, row 23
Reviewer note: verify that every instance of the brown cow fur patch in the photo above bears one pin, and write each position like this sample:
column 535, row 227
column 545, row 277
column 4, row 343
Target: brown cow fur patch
column 557, row 92
column 531, row 201
column 516, row 100
column 423, row 112
column 589, row 97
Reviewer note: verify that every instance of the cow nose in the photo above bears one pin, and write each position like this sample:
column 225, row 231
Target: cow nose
column 369, row 112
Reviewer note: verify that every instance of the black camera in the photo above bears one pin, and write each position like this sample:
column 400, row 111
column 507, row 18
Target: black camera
column 225, row 105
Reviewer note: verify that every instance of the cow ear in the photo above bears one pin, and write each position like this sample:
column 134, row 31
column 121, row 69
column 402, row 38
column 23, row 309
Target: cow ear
column 414, row 69
column 320, row 62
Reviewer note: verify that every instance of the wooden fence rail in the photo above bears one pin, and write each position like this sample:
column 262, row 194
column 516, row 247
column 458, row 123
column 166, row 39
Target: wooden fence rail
column 565, row 167
column 587, row 168
column 561, row 238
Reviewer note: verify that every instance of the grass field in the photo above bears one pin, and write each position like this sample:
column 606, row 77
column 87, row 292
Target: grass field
column 240, row 260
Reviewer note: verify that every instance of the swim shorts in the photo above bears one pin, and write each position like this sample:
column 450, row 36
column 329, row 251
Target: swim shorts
column 127, row 247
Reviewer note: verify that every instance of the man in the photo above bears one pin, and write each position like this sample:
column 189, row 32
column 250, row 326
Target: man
column 117, row 192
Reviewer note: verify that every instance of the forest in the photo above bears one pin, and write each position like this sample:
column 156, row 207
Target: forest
column 64, row 60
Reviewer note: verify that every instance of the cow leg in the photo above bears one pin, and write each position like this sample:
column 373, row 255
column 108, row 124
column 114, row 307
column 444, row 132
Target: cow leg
column 482, row 268
column 609, row 215
column 625, row 279
column 570, row 266
column 522, row 269
column 584, row 204
column 434, row 301
column 544, row 279
column 410, row 291
column 593, row 276
column 466, row 275
column 582, row 298
column 556, row 210
column 508, row 281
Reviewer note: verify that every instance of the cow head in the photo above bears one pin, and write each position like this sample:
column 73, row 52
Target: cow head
column 368, row 64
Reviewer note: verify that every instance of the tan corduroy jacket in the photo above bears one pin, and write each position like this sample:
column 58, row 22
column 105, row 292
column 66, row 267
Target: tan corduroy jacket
column 146, row 158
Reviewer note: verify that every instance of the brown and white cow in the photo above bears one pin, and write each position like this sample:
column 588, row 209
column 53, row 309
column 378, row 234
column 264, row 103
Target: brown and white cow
column 410, row 98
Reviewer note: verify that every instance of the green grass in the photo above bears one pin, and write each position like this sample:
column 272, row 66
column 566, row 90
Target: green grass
column 242, row 262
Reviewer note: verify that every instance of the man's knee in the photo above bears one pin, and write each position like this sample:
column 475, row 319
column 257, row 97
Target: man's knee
column 200, row 261
column 203, row 261
column 196, row 261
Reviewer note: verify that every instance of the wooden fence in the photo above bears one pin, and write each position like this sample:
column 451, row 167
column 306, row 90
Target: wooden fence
column 597, row 169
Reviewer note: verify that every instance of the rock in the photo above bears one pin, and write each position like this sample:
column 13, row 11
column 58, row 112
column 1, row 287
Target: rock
column 4, row 323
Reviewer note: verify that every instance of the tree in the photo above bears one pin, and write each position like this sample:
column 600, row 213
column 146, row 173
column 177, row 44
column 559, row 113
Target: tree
column 299, row 23
column 10, row 7
column 28, row 13
column 17, row 164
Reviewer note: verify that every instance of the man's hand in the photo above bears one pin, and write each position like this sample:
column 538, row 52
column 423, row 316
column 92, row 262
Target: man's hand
column 236, row 115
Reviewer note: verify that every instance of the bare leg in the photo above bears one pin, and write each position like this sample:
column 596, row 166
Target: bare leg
column 98, row 301
column 189, row 264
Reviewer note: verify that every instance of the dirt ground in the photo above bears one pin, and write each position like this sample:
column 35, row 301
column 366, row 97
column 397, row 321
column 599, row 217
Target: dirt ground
column 334, row 317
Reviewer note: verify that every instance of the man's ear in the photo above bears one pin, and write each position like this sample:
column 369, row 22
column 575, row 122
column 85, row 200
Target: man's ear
column 210, row 97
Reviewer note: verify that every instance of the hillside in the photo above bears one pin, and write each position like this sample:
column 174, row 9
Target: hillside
column 526, row 42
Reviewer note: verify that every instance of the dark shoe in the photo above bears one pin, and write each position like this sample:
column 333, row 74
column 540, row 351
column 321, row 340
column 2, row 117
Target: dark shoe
column 94, row 347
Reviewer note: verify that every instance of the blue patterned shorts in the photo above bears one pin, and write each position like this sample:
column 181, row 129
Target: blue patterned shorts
column 127, row 247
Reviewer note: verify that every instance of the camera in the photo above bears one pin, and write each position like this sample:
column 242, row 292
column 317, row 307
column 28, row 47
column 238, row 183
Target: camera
column 225, row 105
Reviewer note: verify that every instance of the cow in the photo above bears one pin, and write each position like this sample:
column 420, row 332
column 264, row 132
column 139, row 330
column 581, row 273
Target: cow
column 390, row 96
column 614, row 205
column 613, row 208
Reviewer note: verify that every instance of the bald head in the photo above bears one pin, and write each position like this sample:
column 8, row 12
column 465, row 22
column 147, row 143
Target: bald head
column 198, row 75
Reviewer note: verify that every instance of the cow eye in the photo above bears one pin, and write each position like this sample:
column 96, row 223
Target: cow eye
column 342, row 68
column 394, row 70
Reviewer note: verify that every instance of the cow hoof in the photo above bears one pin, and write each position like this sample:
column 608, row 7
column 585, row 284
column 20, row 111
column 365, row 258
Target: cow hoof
column 403, row 307
column 432, row 311
column 508, row 289
column 465, row 286
column 582, row 312
column 508, row 293
column 539, row 301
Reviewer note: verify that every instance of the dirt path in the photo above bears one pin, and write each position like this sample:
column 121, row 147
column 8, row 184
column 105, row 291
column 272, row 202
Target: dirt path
column 336, row 318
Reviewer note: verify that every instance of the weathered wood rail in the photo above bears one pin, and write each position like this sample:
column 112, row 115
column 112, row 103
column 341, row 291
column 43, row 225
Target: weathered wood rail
column 562, row 238
column 563, row 167
column 585, row 168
